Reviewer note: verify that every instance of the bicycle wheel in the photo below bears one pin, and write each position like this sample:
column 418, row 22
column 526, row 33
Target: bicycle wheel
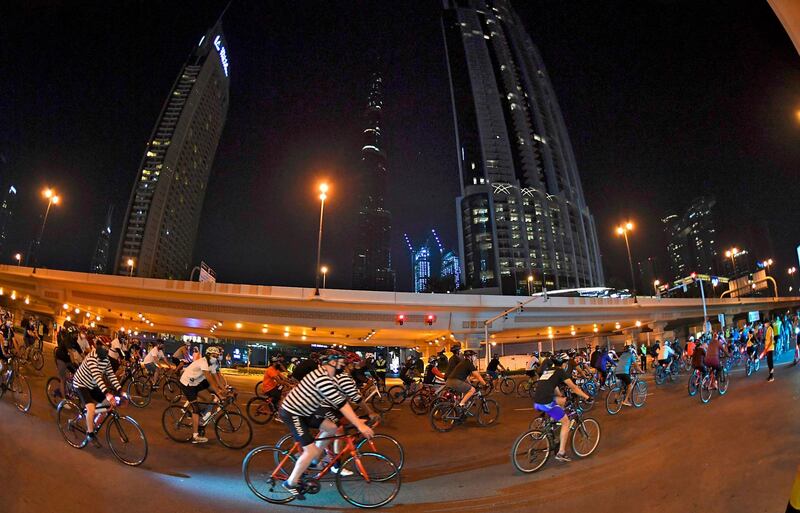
column 614, row 400
column 639, row 394
column 705, row 389
column 374, row 482
column 748, row 366
column 264, row 470
column 381, row 402
column 507, row 386
column 397, row 393
column 530, row 451
column 537, row 423
column 694, row 384
column 126, row 440
column 233, row 430
column 140, row 391
column 171, row 391
column 488, row 412
column 524, row 388
column 21, row 393
column 385, row 445
column 585, row 438
column 37, row 360
column 71, row 423
column 258, row 389
column 285, row 444
column 723, row 382
column 259, row 411
column 661, row 376
column 443, row 417
column 419, row 404
column 53, row 391
column 177, row 423
column 758, row 365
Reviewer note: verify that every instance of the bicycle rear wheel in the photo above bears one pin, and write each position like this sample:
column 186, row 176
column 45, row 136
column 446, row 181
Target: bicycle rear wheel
column 71, row 423
column 661, row 376
column 177, row 423
column 233, row 430
column 382, row 402
column 585, row 438
column 723, row 382
column 524, row 388
column 530, row 451
column 419, row 403
column 126, row 440
column 21, row 393
column 53, row 391
column 140, row 390
column 705, row 389
column 37, row 360
column 748, row 366
column 443, row 417
column 488, row 412
column 264, row 470
column 259, row 411
column 397, row 394
column 614, row 400
column 375, row 480
column 171, row 391
column 694, row 384
column 385, row 445
column 639, row 394
column 507, row 386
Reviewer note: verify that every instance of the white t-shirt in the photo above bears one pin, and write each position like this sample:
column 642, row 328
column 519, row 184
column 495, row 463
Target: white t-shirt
column 116, row 349
column 154, row 355
column 193, row 374
column 84, row 343
column 532, row 363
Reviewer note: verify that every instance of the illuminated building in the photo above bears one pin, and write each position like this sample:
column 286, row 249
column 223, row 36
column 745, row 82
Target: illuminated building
column 691, row 239
column 521, row 211
column 6, row 214
column 372, row 261
column 163, row 214
column 103, row 247
column 434, row 269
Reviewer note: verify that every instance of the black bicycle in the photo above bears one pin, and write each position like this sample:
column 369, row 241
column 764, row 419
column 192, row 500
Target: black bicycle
column 445, row 415
column 233, row 430
column 13, row 381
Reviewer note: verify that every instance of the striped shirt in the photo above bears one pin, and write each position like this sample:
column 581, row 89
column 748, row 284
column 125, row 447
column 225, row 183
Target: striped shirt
column 347, row 386
column 315, row 390
column 92, row 372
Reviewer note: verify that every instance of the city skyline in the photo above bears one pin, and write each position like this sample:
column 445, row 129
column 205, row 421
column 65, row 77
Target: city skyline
column 636, row 155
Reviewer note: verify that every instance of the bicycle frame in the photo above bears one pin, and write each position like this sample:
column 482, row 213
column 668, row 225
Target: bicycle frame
column 349, row 448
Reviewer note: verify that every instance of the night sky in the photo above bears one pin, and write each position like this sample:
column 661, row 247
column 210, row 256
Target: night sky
column 663, row 101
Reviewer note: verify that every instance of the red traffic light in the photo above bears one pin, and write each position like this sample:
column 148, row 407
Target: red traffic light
column 400, row 319
column 430, row 319
column 693, row 275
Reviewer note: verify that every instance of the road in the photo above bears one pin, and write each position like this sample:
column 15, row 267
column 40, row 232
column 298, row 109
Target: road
column 736, row 454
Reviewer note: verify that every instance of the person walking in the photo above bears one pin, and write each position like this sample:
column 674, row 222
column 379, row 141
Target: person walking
column 769, row 349
column 643, row 350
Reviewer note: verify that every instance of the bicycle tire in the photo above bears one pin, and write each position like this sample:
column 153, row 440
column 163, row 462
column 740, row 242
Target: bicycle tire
column 523, row 388
column 507, row 386
column 386, row 445
column 258, row 410
column 419, row 404
column 177, row 423
column 488, row 412
column 586, row 431
column 537, row 423
column 140, row 391
column 71, row 423
column 723, row 382
column 442, row 417
column 382, row 402
column 694, row 385
column 126, row 436
column 53, row 391
column 37, row 360
column 397, row 393
column 660, row 376
column 705, row 390
column 21, row 393
column 285, row 444
column 530, row 451
column 748, row 368
column 171, row 390
column 261, row 473
column 225, row 427
column 639, row 394
column 258, row 389
column 369, row 470
column 614, row 401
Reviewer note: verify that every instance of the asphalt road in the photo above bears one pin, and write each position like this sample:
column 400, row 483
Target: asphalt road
column 736, row 454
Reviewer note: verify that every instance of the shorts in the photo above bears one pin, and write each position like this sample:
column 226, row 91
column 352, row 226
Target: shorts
column 328, row 413
column 553, row 410
column 151, row 367
column 300, row 427
column 175, row 361
column 462, row 387
column 530, row 373
column 190, row 391
column 625, row 378
column 493, row 374
column 90, row 395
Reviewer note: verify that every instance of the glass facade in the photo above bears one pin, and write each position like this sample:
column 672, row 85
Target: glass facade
column 521, row 211
column 691, row 239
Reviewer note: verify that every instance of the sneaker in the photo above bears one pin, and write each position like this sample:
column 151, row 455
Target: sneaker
column 343, row 471
column 92, row 437
column 627, row 403
column 295, row 491
column 770, row 379
column 563, row 457
column 197, row 439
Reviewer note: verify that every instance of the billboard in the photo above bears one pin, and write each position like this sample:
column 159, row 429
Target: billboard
column 207, row 273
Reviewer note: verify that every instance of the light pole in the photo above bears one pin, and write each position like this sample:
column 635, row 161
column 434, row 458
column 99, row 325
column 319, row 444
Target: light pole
column 655, row 287
column 323, row 189
column 18, row 258
column 623, row 230
column 731, row 253
column 324, row 271
column 530, row 285
column 52, row 199
column 130, row 263
column 792, row 271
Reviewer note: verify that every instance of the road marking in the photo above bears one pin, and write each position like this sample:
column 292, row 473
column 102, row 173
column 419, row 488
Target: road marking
column 523, row 409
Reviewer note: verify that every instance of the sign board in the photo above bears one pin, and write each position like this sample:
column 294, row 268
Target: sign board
column 207, row 274
column 753, row 316
column 721, row 318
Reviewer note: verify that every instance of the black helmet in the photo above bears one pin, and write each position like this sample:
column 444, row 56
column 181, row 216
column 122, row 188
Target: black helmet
column 469, row 353
column 455, row 348
column 433, row 360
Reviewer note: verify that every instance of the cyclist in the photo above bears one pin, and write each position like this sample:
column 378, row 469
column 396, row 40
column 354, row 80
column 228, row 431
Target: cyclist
column 712, row 361
column 530, row 368
column 91, row 382
column 303, row 368
column 152, row 359
column 299, row 408
column 196, row 377
column 665, row 354
column 690, row 345
column 408, row 371
column 575, row 366
column 455, row 359
column 273, row 383
column 182, row 356
column 433, row 376
column 457, row 379
column 358, row 369
column 604, row 364
column 627, row 360
column 494, row 364
column 549, row 399
column 115, row 352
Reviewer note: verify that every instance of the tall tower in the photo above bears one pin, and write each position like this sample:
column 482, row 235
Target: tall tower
column 521, row 211
column 103, row 248
column 6, row 214
column 163, row 214
column 372, row 260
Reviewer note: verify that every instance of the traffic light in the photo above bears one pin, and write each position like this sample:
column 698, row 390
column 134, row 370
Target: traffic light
column 430, row 319
column 693, row 275
column 400, row 319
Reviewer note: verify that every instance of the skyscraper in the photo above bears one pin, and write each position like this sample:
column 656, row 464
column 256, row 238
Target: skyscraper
column 102, row 249
column 691, row 239
column 521, row 211
column 163, row 214
column 434, row 269
column 372, row 260
column 6, row 214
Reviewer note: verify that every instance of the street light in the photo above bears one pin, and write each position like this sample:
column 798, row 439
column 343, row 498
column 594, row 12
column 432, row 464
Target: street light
column 732, row 254
column 792, row 271
column 130, row 263
column 324, row 271
column 18, row 258
column 52, row 199
column 655, row 286
column 768, row 263
column 323, row 190
column 623, row 230
column 530, row 285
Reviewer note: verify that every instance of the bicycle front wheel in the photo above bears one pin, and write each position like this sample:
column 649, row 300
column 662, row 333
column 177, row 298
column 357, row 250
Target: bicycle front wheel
column 53, row 391
column 177, row 423
column 233, row 430
column 419, row 403
column 661, row 376
column 21, row 393
column 507, row 386
column 397, row 394
column 488, row 412
column 530, row 451
column 705, row 390
column 694, row 384
column 614, row 401
column 71, row 423
column 375, row 480
column 37, row 360
column 723, row 382
column 585, row 438
column 443, row 417
column 385, row 445
column 171, row 391
column 264, row 470
column 127, row 441
column 524, row 388
column 259, row 411
column 639, row 394
column 140, row 391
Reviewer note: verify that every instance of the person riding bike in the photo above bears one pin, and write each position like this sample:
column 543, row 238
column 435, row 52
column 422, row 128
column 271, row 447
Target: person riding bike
column 299, row 408
column 273, row 382
column 457, row 379
column 712, row 360
column 627, row 360
column 665, row 354
column 604, row 364
column 198, row 376
column 433, row 376
column 153, row 357
column 494, row 364
column 549, row 399
column 182, row 356
column 91, row 382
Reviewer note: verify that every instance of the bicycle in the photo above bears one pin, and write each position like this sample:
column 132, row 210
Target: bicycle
column 666, row 371
column 445, row 415
column 32, row 355
column 423, row 401
column 140, row 389
column 260, row 408
column 616, row 395
column 14, row 381
column 506, row 384
column 378, row 397
column 265, row 469
column 124, row 437
column 399, row 393
column 53, row 390
column 527, row 387
column 232, row 429
column 532, row 449
column 752, row 364
column 722, row 385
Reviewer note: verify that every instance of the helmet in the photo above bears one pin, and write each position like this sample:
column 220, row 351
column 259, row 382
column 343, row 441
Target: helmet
column 353, row 358
column 612, row 354
column 187, row 342
column 433, row 360
column 571, row 353
column 212, row 351
column 331, row 355
column 275, row 359
column 295, row 359
column 455, row 348
column 691, row 338
column 559, row 358
column 469, row 353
